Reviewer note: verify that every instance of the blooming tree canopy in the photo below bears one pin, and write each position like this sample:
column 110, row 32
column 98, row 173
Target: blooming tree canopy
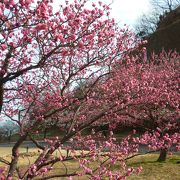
column 44, row 55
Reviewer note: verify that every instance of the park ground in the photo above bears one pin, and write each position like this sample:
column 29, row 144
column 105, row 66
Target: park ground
column 152, row 170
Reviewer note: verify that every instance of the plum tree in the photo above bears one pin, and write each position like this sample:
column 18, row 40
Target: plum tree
column 44, row 55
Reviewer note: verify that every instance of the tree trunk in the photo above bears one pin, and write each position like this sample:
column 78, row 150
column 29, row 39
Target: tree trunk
column 15, row 156
column 163, row 155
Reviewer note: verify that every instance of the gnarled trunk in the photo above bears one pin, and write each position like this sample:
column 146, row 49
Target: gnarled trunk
column 163, row 155
column 15, row 155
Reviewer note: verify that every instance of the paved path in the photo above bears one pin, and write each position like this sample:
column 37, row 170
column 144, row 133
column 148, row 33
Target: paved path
column 29, row 144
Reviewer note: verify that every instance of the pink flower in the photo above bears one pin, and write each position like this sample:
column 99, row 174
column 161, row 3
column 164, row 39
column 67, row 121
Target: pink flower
column 100, row 3
column 41, row 27
column 1, row 170
column 3, row 47
column 60, row 38
column 80, row 44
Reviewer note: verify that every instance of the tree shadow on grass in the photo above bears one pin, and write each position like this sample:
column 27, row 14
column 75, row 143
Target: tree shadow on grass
column 146, row 163
column 170, row 160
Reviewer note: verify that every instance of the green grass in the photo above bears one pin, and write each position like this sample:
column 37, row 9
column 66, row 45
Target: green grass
column 152, row 170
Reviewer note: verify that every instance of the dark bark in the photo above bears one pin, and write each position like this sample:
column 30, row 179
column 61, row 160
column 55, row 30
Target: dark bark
column 36, row 143
column 15, row 155
column 163, row 155
column 60, row 176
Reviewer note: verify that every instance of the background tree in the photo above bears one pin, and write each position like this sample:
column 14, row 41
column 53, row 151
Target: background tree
column 8, row 129
column 148, row 23
column 165, row 5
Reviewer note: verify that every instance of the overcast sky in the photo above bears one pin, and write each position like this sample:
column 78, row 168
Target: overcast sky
column 128, row 11
column 124, row 11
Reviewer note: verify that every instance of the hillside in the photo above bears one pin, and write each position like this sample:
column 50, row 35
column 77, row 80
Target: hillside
column 167, row 35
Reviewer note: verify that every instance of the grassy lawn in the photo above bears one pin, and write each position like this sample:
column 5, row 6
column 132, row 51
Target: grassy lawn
column 152, row 170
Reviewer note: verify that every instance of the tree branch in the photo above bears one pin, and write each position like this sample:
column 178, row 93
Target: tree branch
column 4, row 161
column 36, row 143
